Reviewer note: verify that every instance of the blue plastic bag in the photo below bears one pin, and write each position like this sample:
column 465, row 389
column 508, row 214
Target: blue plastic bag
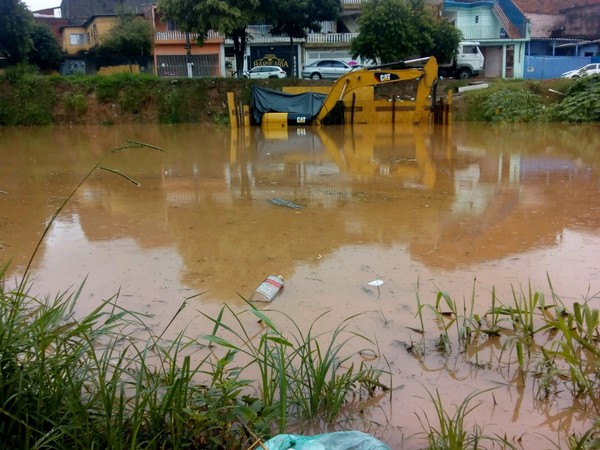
column 339, row 440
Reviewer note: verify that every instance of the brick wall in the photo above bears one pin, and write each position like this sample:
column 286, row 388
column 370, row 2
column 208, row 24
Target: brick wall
column 551, row 6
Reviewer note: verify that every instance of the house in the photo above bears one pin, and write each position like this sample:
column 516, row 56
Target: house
column 564, row 35
column 52, row 18
column 87, row 22
column 264, row 49
column 178, row 54
column 499, row 25
column 501, row 28
column 333, row 41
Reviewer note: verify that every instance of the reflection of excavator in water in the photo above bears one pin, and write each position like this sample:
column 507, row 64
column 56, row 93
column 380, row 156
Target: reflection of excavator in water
column 351, row 95
column 361, row 152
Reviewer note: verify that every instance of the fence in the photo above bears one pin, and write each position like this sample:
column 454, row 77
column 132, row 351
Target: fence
column 545, row 67
column 176, row 66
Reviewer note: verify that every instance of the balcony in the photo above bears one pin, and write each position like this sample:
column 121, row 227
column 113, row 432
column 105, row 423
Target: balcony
column 330, row 38
column 180, row 36
column 476, row 32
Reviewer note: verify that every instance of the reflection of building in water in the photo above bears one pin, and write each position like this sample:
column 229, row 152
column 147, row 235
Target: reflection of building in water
column 387, row 187
column 501, row 206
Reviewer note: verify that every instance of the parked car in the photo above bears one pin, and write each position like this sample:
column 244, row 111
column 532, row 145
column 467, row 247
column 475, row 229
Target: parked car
column 326, row 68
column 589, row 69
column 265, row 72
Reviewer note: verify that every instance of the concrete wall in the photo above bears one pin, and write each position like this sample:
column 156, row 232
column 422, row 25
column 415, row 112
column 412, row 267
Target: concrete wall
column 583, row 22
column 542, row 25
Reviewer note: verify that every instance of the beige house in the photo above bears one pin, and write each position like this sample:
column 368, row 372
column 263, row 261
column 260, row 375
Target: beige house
column 80, row 39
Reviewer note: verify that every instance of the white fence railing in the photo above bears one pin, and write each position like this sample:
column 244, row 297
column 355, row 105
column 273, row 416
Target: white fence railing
column 267, row 40
column 330, row 38
column 180, row 36
column 314, row 38
column 477, row 32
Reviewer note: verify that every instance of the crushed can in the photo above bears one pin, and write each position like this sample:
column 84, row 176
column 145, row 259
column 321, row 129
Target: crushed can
column 268, row 289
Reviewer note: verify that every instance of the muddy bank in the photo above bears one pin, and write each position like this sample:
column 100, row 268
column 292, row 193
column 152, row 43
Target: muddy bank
column 139, row 99
column 130, row 99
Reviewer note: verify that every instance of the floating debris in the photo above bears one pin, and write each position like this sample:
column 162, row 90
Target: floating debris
column 282, row 202
column 268, row 289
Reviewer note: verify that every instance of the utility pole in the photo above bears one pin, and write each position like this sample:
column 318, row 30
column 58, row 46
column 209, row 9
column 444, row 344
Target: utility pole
column 188, row 54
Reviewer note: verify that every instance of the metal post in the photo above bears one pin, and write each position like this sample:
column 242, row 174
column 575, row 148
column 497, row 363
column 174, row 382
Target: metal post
column 188, row 54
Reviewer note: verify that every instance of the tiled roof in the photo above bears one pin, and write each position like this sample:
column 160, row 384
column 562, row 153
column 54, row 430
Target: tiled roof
column 78, row 11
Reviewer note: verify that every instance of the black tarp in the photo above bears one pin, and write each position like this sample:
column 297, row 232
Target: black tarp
column 301, row 108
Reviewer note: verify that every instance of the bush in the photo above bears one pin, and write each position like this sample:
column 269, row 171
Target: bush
column 511, row 105
column 581, row 102
column 29, row 101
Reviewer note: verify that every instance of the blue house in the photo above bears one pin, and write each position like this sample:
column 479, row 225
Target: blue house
column 501, row 28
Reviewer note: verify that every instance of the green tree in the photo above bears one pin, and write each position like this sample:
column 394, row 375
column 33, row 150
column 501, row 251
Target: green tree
column 46, row 53
column 393, row 30
column 16, row 23
column 294, row 18
column 131, row 36
column 229, row 17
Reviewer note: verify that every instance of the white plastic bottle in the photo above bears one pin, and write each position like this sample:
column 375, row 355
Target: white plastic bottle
column 268, row 289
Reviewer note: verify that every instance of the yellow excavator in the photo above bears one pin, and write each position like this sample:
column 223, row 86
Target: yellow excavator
column 352, row 94
column 427, row 77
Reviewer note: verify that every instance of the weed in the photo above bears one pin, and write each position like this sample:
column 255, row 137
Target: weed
column 304, row 376
column 75, row 104
column 512, row 105
column 451, row 433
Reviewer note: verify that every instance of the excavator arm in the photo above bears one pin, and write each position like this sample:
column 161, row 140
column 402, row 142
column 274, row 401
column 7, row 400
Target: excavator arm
column 426, row 75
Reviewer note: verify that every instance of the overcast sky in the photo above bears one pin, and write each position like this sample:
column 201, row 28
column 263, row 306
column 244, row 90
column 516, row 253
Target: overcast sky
column 35, row 5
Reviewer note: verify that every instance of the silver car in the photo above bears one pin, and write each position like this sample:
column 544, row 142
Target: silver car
column 326, row 68
column 265, row 72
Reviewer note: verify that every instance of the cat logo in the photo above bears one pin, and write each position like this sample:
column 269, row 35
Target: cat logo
column 382, row 77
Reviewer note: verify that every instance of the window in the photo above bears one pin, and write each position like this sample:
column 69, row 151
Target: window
column 78, row 38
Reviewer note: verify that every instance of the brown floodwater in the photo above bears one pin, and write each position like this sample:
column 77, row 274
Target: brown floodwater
column 472, row 206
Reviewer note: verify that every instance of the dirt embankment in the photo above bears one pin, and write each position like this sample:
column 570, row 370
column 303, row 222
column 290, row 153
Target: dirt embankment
column 123, row 99
column 127, row 98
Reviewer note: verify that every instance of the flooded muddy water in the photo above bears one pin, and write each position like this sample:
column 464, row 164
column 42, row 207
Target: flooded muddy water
column 469, row 207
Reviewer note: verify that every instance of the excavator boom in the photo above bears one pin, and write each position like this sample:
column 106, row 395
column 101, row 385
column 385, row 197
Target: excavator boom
column 427, row 77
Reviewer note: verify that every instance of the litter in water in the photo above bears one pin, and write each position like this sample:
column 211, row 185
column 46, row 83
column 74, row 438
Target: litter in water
column 268, row 289
column 339, row 440
column 282, row 202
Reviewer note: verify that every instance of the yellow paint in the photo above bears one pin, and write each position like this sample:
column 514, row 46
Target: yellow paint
column 358, row 88
column 233, row 116
column 134, row 68
column 83, row 38
column 344, row 86
column 303, row 89
column 274, row 120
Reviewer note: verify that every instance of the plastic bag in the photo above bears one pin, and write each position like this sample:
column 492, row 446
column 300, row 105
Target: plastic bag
column 339, row 440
